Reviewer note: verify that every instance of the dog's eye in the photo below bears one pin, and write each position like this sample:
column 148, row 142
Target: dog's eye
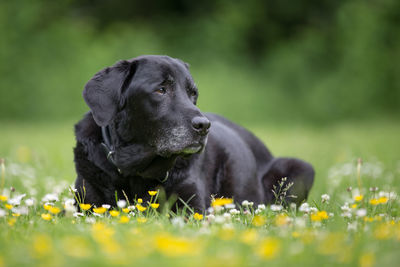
column 193, row 93
column 161, row 91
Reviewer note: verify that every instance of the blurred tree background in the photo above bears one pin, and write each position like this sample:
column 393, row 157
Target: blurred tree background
column 310, row 61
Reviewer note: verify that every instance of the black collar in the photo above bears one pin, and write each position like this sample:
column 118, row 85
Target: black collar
column 110, row 150
column 108, row 147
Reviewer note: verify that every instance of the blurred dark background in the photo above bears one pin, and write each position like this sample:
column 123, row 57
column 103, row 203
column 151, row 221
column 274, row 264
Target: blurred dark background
column 310, row 61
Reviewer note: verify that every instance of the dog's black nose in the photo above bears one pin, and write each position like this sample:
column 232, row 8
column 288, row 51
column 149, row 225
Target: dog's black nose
column 201, row 124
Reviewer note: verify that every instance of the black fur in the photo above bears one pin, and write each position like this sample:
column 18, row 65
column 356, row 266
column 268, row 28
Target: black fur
column 149, row 105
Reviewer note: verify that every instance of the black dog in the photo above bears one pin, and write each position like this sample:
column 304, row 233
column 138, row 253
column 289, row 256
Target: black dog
column 144, row 131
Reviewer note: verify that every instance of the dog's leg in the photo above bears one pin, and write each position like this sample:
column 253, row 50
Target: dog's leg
column 296, row 171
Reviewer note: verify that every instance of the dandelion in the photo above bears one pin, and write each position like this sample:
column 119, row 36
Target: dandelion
column 249, row 236
column 175, row 246
column 319, row 216
column 358, row 198
column 8, row 206
column 198, row 216
column 99, row 210
column 140, row 201
column 76, row 246
column 124, row 219
column 152, row 193
column 367, row 260
column 85, row 206
column 3, row 198
column 269, row 248
column 374, row 201
column 383, row 200
column 140, row 208
column 354, row 206
column 54, row 210
column 46, row 216
column 154, row 205
column 12, row 221
column 42, row 245
column 141, row 220
column 281, row 219
column 259, row 220
column 221, row 202
column 121, row 203
column 126, row 210
column 114, row 213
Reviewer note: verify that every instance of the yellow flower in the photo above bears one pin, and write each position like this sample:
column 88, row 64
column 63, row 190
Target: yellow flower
column 367, row 260
column 42, row 245
column 221, row 202
column 47, row 206
column 76, row 246
column 124, row 219
column 259, row 220
column 3, row 198
column 226, row 233
column 295, row 234
column 198, row 216
column 383, row 231
column 383, row 200
column 281, row 219
column 368, row 219
column 99, row 210
column 175, row 246
column 140, row 208
column 249, row 236
column 140, row 200
column 374, row 201
column 54, row 210
column 114, row 213
column 354, row 206
column 152, row 193
column 269, row 248
column 46, row 216
column 8, row 206
column 359, row 198
column 141, row 220
column 16, row 214
column 12, row 221
column 85, row 206
column 319, row 216
column 154, row 205
column 125, row 210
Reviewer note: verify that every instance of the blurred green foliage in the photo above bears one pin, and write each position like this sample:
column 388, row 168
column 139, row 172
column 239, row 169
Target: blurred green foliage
column 274, row 60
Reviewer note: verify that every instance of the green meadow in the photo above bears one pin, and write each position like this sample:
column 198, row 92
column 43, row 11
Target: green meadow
column 355, row 223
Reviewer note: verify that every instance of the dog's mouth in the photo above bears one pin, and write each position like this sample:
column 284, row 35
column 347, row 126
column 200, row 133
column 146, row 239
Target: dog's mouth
column 192, row 149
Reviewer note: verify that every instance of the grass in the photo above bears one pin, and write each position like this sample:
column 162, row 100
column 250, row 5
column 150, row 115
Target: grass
column 39, row 161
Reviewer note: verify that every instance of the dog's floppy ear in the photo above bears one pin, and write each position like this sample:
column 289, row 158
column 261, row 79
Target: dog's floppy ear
column 104, row 91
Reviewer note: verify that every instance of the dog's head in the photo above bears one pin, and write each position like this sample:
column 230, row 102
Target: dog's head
column 149, row 100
